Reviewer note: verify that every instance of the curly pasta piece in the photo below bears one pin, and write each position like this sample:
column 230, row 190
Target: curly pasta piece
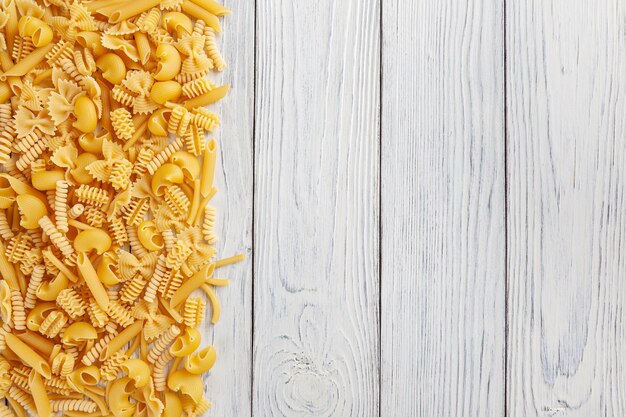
column 136, row 211
column 60, row 205
column 193, row 312
column 162, row 343
column 163, row 156
column 170, row 284
column 71, row 303
column 76, row 211
column 120, row 314
column 208, row 224
column 18, row 247
column 18, row 311
column 205, row 120
column 197, row 87
column 112, row 366
column 132, row 289
column 176, row 200
column 19, row 376
column 94, row 216
column 117, row 228
column 159, row 374
column 123, row 96
column 218, row 60
column 52, row 325
column 122, row 122
column 22, row 398
column 86, row 406
column 150, row 20
column 179, row 121
column 154, row 284
column 57, row 238
column 97, row 316
column 93, row 355
column 5, row 229
column 93, row 196
column 62, row 364
column 36, row 278
column 24, row 161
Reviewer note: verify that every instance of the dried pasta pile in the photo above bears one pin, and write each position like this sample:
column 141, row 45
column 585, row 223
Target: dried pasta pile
column 105, row 228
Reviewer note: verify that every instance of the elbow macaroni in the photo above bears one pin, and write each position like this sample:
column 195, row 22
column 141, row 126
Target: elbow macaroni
column 104, row 234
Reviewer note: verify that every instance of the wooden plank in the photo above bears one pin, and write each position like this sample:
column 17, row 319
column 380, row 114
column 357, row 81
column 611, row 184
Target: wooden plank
column 443, row 229
column 228, row 385
column 316, row 295
column 566, row 228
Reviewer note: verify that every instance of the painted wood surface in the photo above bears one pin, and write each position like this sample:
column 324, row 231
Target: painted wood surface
column 228, row 385
column 316, row 281
column 567, row 228
column 434, row 233
column 443, row 247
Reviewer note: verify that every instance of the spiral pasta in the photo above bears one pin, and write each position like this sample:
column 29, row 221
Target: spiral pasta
column 18, row 311
column 60, row 205
column 57, row 238
column 162, row 343
column 74, row 405
column 164, row 155
column 36, row 278
column 22, row 398
column 76, row 211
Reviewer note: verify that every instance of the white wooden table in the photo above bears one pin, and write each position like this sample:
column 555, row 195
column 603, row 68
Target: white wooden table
column 432, row 196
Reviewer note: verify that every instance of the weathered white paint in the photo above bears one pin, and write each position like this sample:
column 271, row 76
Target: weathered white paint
column 567, row 227
column 444, row 231
column 316, row 330
column 228, row 385
column 443, row 199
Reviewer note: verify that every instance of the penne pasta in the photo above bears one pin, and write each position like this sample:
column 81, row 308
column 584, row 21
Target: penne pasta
column 28, row 356
column 212, row 7
column 210, row 97
column 118, row 342
column 88, row 272
column 40, row 394
column 131, row 9
column 28, row 63
column 199, row 13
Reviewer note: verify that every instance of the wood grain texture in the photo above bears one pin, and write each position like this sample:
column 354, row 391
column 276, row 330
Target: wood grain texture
column 443, row 253
column 567, row 227
column 228, row 385
column 316, row 209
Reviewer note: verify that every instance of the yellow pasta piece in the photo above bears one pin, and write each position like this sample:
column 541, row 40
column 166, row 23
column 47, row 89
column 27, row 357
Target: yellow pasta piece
column 212, row 7
column 199, row 13
column 28, row 356
column 131, row 9
column 91, row 278
column 27, row 63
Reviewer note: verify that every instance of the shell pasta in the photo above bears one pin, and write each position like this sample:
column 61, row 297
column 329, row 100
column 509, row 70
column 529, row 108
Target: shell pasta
column 107, row 254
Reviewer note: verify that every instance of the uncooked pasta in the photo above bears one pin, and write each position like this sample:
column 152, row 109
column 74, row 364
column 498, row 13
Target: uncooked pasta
column 106, row 238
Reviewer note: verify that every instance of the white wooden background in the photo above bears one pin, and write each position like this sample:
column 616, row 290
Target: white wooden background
column 431, row 194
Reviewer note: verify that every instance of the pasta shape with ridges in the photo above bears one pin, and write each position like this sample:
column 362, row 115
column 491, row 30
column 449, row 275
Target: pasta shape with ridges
column 107, row 243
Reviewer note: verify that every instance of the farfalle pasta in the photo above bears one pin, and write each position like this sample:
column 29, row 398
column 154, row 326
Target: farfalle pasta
column 107, row 254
